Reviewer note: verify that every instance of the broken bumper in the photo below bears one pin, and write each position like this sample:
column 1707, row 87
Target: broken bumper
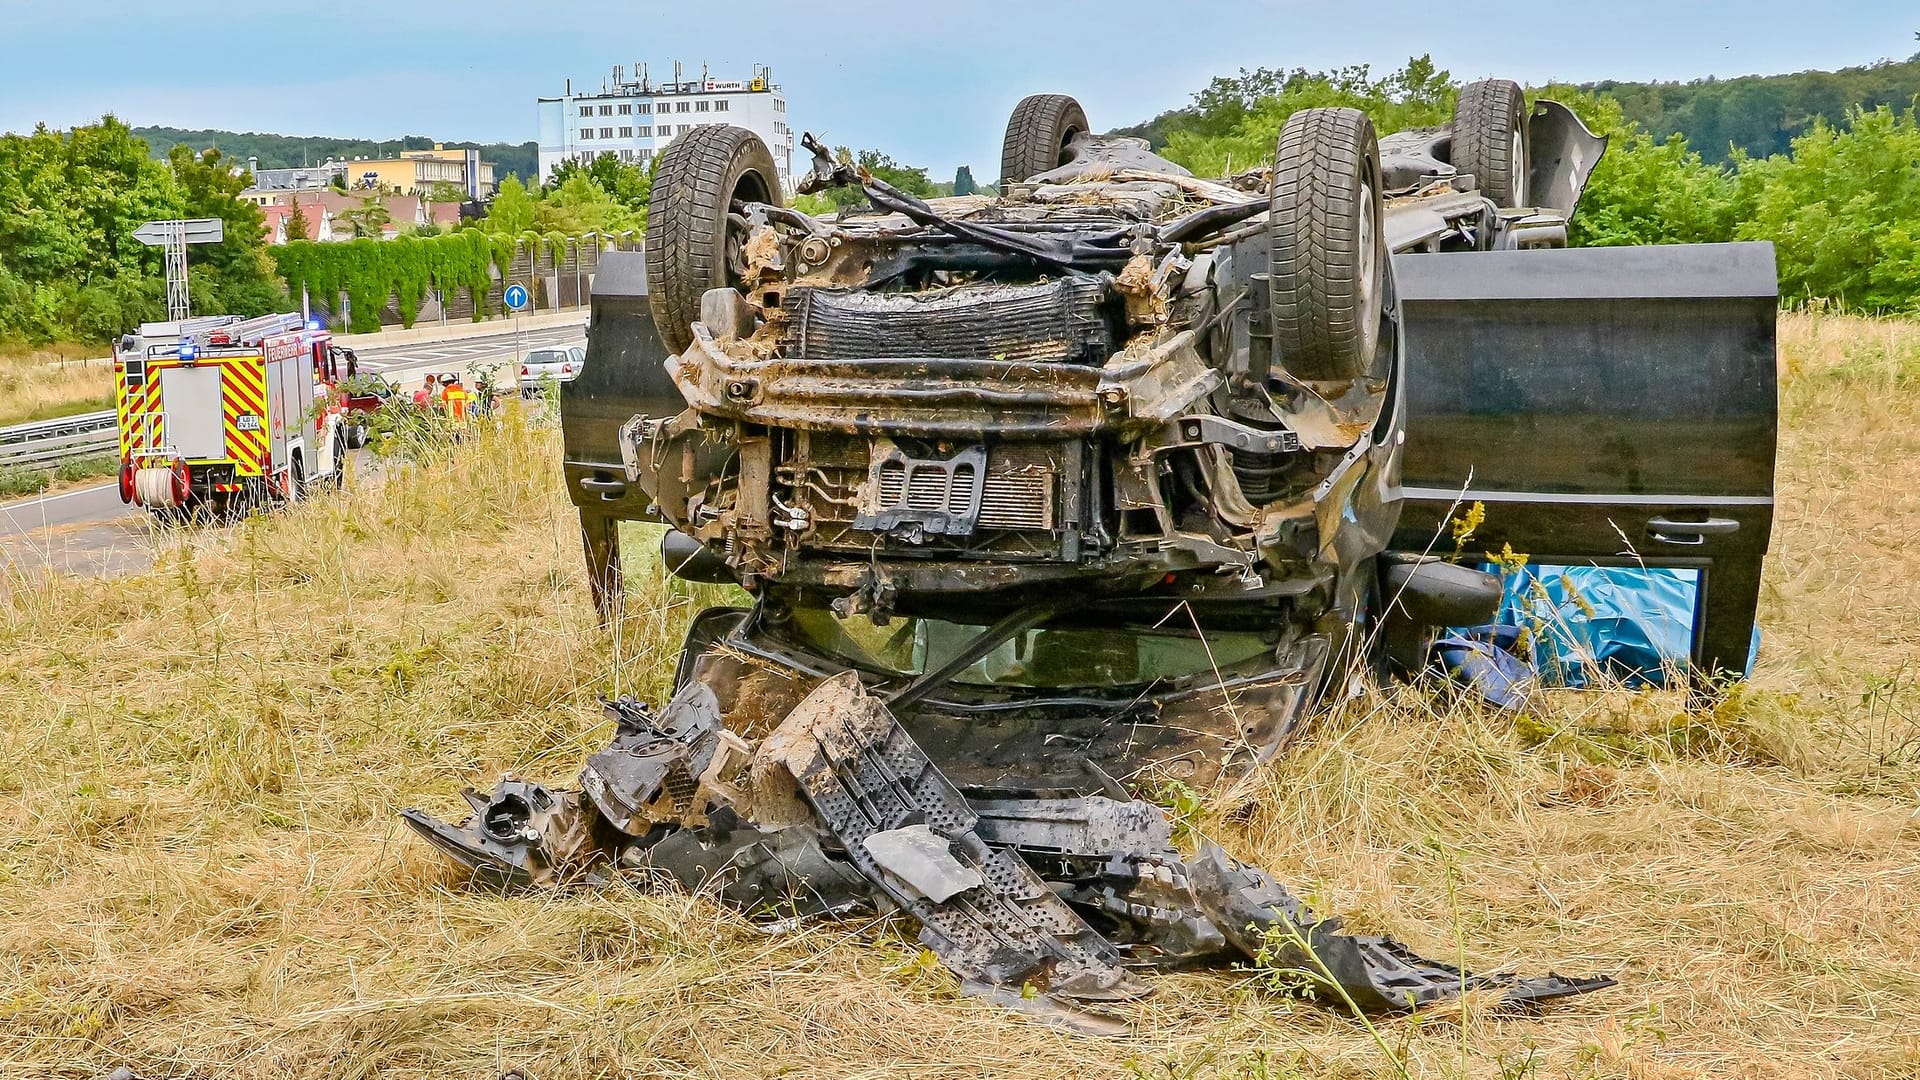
column 838, row 808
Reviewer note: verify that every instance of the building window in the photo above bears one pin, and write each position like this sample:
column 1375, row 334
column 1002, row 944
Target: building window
column 644, row 132
column 626, row 133
column 585, row 134
column 680, row 106
column 586, row 110
column 684, row 128
column 606, row 133
column 606, row 110
column 626, row 155
column 646, row 155
column 644, row 108
column 626, row 110
column 703, row 105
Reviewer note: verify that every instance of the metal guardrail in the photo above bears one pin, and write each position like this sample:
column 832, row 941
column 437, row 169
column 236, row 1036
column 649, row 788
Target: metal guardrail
column 44, row 442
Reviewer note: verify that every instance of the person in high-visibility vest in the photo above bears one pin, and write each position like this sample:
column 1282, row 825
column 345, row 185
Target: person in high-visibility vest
column 454, row 397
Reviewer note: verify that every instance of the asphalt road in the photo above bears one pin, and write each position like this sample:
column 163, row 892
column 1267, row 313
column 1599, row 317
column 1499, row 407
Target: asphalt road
column 83, row 531
column 394, row 361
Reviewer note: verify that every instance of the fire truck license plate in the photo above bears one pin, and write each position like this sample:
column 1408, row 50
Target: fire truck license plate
column 247, row 422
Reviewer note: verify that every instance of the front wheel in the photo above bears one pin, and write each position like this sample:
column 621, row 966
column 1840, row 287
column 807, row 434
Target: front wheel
column 1327, row 255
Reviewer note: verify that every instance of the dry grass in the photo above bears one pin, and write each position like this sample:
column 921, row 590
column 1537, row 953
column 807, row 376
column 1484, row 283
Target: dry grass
column 202, row 873
column 53, row 380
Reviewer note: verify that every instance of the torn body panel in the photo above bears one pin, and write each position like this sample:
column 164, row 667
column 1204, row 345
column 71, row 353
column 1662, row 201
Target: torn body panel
column 1041, row 903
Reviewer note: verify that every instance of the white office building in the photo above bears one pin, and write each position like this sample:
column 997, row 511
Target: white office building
column 636, row 118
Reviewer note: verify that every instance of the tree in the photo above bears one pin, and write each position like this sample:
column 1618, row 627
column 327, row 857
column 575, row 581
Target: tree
column 369, row 220
column 579, row 206
column 626, row 181
column 1647, row 192
column 908, row 178
column 963, row 183
column 1234, row 123
column 297, row 225
column 512, row 210
column 239, row 277
column 1843, row 211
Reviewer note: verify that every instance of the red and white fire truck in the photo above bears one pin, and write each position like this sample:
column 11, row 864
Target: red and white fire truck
column 226, row 413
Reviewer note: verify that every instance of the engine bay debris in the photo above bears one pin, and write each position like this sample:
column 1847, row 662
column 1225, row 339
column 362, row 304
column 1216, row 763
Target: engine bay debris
column 1044, row 903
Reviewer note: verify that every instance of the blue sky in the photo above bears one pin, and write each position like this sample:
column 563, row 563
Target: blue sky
column 929, row 83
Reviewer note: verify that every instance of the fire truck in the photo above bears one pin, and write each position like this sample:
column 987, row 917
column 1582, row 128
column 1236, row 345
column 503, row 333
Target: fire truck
column 225, row 413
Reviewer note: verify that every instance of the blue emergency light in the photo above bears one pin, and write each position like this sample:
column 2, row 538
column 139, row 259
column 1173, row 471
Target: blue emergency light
column 187, row 350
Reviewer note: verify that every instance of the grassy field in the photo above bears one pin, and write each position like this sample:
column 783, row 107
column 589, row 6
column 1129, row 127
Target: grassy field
column 202, row 873
column 51, row 381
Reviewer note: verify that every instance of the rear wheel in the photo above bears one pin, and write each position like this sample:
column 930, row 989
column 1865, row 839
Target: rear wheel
column 1490, row 139
column 695, row 240
column 1327, row 251
column 1040, row 135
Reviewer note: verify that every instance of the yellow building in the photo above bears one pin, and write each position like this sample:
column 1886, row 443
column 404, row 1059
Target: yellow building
column 416, row 172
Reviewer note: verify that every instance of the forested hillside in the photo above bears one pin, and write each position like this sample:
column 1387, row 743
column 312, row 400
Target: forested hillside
column 293, row 151
column 1761, row 114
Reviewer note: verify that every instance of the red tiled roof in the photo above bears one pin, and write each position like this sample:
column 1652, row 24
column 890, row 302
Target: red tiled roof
column 314, row 215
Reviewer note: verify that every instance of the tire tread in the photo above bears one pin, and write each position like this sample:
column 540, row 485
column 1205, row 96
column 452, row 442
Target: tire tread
column 1314, row 234
column 686, row 215
column 1035, row 132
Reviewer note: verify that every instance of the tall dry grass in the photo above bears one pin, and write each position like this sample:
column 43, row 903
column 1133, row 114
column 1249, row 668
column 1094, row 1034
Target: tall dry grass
column 55, row 380
column 202, row 873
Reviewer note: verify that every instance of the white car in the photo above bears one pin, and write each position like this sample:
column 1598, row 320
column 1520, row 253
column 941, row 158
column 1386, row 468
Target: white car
column 559, row 364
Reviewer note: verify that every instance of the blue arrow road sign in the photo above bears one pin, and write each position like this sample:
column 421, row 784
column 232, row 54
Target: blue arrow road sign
column 516, row 298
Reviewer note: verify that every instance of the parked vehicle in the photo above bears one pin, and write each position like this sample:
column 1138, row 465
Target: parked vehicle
column 560, row 364
column 359, row 396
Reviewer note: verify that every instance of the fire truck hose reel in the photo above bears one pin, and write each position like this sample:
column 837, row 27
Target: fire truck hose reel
column 155, row 487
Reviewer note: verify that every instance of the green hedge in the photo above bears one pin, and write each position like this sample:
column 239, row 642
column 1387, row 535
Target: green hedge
column 406, row 267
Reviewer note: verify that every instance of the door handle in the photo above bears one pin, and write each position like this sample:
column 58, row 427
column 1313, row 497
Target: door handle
column 609, row 490
column 1668, row 531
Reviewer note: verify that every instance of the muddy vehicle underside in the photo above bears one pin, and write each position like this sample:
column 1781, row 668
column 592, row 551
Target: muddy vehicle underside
column 1049, row 498
column 1114, row 395
column 1119, row 434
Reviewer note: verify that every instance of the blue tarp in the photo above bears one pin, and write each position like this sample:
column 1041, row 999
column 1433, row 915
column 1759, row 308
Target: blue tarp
column 1577, row 625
